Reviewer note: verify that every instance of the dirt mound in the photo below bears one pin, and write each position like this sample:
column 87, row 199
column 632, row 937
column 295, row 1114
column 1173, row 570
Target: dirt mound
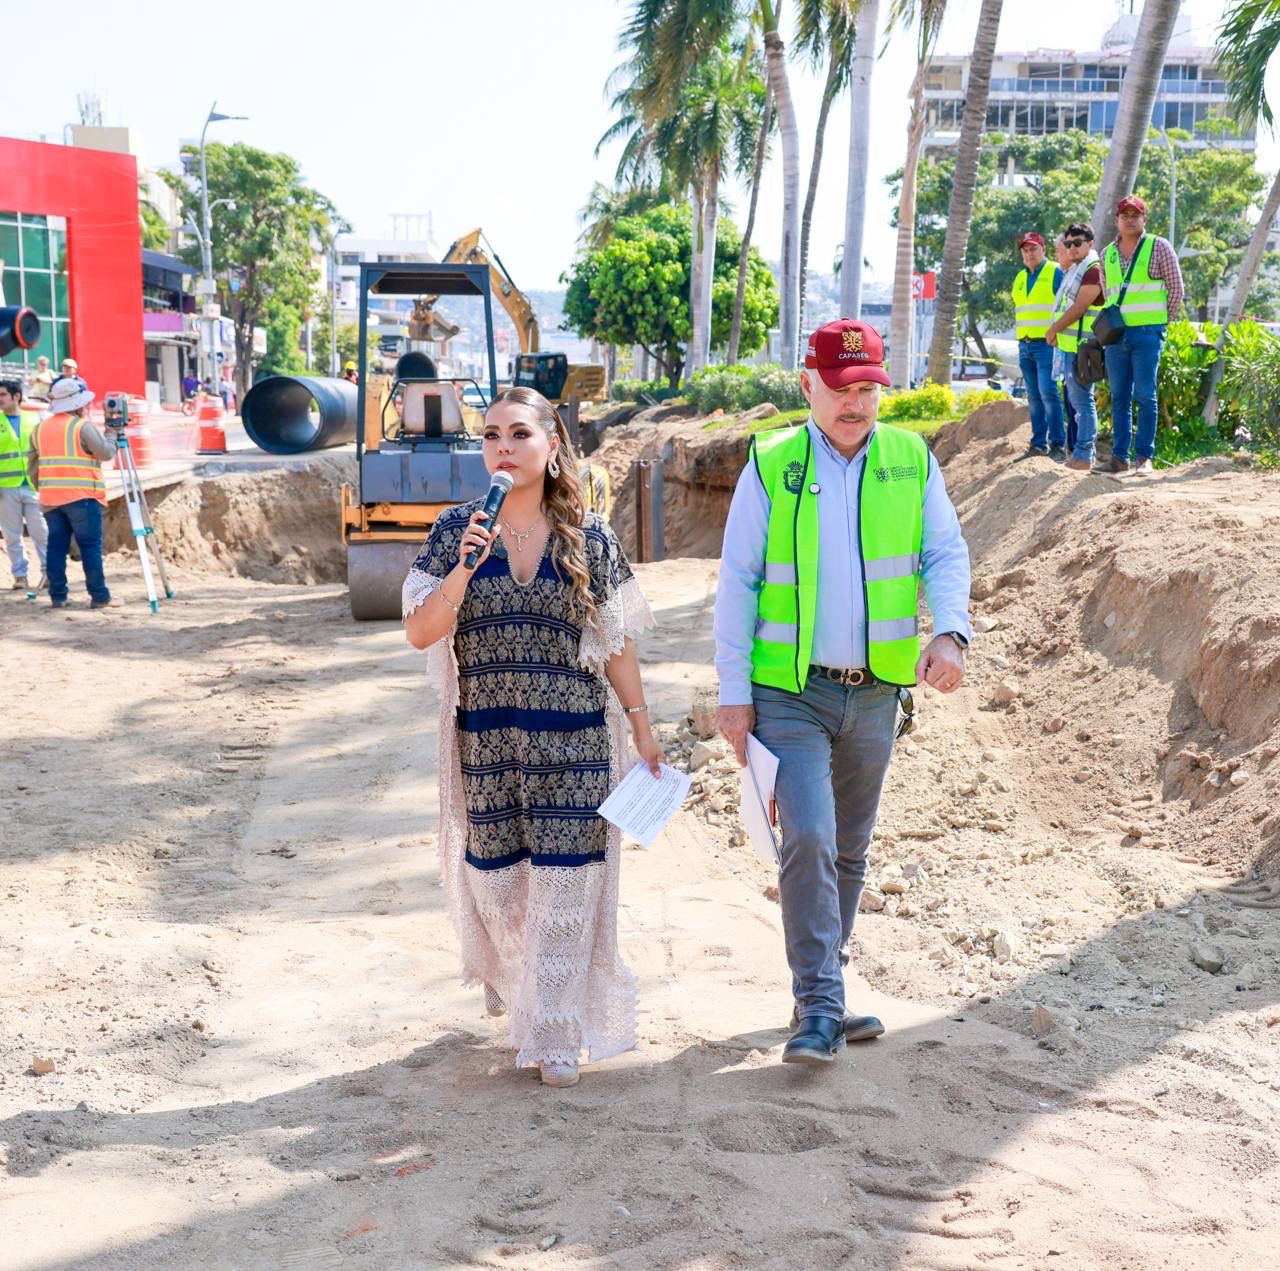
column 278, row 526
column 993, row 422
column 1139, row 631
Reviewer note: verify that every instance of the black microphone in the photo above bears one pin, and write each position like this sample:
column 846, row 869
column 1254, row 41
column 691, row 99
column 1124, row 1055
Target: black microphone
column 499, row 488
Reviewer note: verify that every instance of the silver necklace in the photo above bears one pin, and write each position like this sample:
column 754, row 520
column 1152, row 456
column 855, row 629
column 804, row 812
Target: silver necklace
column 521, row 536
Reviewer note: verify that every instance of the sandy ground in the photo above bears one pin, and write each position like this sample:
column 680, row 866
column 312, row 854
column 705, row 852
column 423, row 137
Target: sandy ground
column 222, row 924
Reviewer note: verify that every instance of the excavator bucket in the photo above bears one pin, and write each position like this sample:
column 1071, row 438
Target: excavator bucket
column 375, row 575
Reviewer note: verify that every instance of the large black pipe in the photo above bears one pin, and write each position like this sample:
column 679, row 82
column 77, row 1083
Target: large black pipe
column 287, row 414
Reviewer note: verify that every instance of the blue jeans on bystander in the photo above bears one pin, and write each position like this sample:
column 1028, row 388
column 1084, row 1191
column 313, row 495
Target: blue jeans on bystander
column 833, row 746
column 1035, row 358
column 1132, row 365
column 83, row 520
column 1086, row 415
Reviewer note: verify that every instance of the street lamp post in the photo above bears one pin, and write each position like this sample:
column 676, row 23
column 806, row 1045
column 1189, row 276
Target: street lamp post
column 207, row 286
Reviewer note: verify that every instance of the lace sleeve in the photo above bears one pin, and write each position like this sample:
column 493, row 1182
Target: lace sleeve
column 622, row 612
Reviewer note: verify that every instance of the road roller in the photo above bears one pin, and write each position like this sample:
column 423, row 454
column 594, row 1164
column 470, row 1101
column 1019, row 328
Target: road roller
column 417, row 441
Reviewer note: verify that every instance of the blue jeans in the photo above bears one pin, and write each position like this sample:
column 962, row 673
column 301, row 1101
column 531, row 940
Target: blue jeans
column 1086, row 413
column 83, row 519
column 833, row 746
column 1036, row 360
column 1132, row 364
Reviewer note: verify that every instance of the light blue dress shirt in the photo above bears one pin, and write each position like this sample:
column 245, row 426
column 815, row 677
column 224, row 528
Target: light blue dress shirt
column 838, row 637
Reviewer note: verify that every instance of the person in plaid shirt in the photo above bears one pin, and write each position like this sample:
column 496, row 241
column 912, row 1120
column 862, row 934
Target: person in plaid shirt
column 1152, row 298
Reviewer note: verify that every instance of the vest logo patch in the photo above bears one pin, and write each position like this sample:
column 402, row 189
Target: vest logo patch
column 793, row 477
column 899, row 472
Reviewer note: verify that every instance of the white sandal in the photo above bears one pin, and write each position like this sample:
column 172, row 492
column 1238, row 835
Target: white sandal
column 559, row 1074
column 493, row 1004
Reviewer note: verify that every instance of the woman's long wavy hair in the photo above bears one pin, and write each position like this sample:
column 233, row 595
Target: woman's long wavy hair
column 564, row 500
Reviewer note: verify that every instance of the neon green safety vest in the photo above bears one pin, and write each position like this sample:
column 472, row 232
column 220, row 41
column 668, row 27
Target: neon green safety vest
column 14, row 448
column 891, row 529
column 1068, row 339
column 1146, row 302
column 1034, row 310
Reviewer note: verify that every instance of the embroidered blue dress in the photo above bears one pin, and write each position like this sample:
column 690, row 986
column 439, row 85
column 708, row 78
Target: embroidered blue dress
column 534, row 745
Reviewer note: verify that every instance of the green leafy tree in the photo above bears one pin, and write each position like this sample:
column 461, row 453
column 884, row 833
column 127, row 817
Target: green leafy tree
column 348, row 344
column 155, row 233
column 284, row 349
column 635, row 288
column 267, row 242
column 1217, row 188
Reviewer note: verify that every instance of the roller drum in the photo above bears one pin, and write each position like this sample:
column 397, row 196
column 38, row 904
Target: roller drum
column 290, row 414
column 375, row 576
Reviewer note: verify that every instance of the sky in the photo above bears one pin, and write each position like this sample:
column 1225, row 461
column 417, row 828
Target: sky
column 482, row 114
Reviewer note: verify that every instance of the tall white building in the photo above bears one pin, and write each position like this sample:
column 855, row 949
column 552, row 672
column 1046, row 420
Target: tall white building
column 1053, row 90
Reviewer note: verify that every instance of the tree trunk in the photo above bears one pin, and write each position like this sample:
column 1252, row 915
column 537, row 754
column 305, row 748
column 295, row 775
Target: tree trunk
column 710, row 212
column 735, row 329
column 900, row 324
column 806, row 218
column 1133, row 115
column 963, row 189
column 1240, row 296
column 780, row 86
column 694, row 355
column 855, row 215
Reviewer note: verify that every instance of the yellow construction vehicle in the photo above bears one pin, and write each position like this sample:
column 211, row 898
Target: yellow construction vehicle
column 418, row 443
column 550, row 373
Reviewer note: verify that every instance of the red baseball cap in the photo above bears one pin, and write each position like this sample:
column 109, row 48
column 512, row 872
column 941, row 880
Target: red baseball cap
column 846, row 351
column 1031, row 237
column 1131, row 203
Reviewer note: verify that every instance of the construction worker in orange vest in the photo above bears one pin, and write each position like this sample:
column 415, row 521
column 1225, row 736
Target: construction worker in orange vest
column 65, row 465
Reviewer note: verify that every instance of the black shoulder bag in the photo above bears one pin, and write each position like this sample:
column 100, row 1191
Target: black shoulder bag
column 1108, row 326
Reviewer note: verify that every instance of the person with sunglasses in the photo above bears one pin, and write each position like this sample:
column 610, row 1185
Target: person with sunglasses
column 1033, row 291
column 1142, row 275
column 1078, row 304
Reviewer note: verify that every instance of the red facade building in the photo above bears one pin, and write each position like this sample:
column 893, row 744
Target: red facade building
column 70, row 241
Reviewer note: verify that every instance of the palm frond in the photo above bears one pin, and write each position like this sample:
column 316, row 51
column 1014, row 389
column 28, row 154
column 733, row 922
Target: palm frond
column 1247, row 39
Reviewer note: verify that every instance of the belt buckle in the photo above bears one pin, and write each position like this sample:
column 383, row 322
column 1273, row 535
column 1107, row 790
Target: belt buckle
column 847, row 679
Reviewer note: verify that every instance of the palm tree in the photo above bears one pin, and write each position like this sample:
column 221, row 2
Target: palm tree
column 829, row 25
column 1133, row 115
column 855, row 216
column 1247, row 40
column 606, row 207
column 964, row 186
column 762, row 146
column 926, row 17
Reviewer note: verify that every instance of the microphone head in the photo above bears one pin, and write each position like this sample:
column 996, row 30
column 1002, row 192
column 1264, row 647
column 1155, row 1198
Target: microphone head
column 503, row 479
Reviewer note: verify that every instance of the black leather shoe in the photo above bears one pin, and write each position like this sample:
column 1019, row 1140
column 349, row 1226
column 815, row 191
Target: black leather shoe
column 857, row 1028
column 816, row 1041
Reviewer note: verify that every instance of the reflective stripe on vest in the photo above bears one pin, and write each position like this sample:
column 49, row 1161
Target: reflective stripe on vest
column 14, row 448
column 1068, row 341
column 67, row 471
column 1034, row 311
column 890, row 533
column 1146, row 301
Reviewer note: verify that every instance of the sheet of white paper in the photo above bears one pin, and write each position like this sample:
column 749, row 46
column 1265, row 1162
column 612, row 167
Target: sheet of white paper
column 642, row 804
column 758, row 780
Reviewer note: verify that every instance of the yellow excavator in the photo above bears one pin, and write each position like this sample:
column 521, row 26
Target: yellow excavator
column 550, row 373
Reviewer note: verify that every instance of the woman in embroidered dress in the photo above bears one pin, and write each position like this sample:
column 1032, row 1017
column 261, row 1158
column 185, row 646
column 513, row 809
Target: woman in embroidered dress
column 534, row 657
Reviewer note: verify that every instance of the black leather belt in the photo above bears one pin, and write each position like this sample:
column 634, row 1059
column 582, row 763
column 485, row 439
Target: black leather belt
column 847, row 679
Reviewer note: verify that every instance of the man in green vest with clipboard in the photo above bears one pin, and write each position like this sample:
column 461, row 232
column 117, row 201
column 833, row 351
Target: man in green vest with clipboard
column 833, row 527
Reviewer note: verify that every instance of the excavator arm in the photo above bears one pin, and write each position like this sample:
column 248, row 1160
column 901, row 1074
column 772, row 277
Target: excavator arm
column 467, row 251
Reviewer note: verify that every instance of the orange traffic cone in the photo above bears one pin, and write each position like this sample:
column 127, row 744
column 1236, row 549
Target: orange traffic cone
column 209, row 413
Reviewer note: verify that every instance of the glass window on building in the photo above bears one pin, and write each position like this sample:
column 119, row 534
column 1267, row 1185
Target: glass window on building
column 34, row 252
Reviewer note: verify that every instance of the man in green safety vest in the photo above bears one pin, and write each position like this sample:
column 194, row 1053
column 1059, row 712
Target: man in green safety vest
column 832, row 528
column 1079, row 303
column 1142, row 276
column 19, row 502
column 1034, row 288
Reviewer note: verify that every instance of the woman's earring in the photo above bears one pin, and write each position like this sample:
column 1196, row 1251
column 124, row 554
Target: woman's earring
column 553, row 466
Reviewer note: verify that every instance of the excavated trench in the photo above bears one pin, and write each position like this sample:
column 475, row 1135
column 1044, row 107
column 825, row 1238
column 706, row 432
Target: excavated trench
column 280, row 525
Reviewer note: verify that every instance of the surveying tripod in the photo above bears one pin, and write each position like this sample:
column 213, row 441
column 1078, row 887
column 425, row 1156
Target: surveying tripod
column 116, row 415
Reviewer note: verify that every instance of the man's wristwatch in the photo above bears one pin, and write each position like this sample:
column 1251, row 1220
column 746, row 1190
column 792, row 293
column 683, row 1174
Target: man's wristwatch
column 961, row 643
